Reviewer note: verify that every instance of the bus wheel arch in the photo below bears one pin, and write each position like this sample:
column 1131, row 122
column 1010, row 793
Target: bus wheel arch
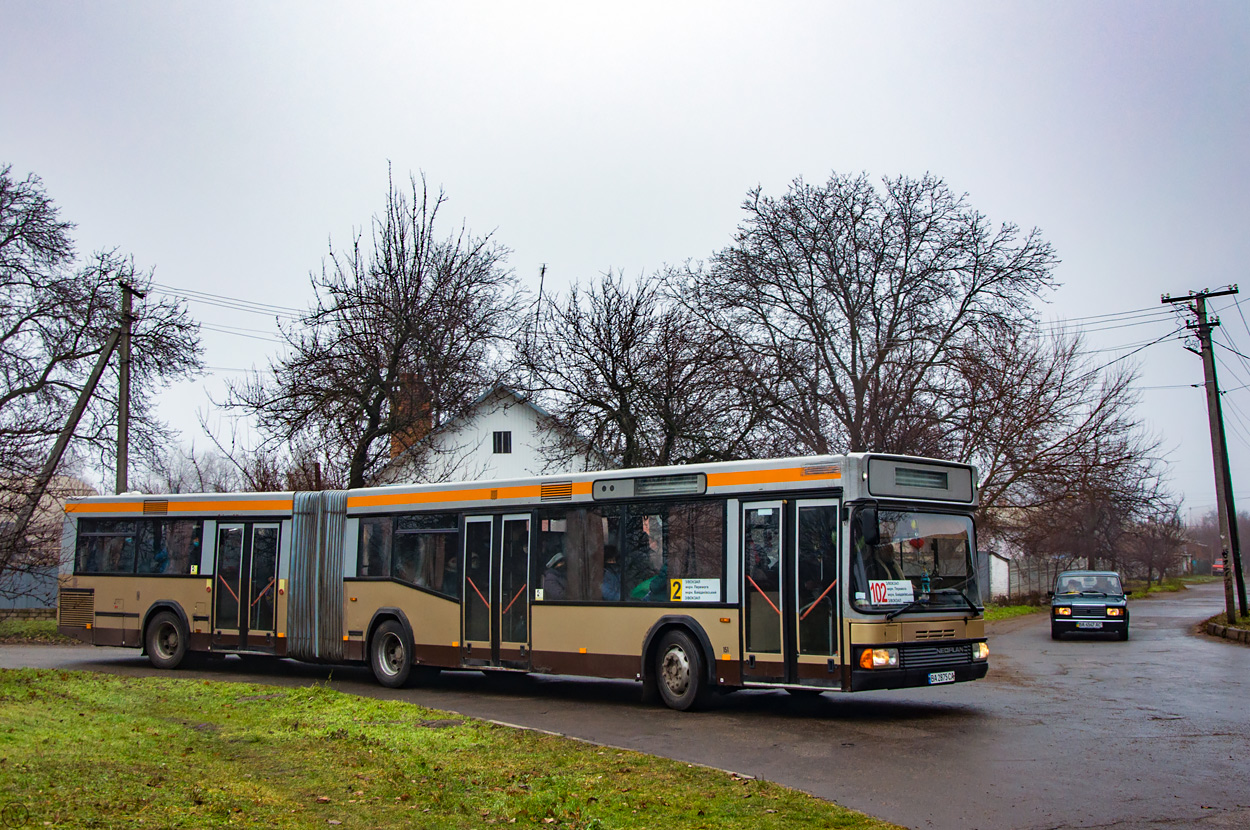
column 679, row 648
column 389, row 647
column 166, row 636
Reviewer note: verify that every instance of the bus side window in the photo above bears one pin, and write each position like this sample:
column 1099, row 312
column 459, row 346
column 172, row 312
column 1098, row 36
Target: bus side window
column 375, row 547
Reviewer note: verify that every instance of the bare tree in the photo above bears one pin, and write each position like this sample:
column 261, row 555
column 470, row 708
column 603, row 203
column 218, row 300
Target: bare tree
column 56, row 314
column 404, row 334
column 1057, row 442
column 857, row 300
column 1157, row 545
column 631, row 376
column 185, row 469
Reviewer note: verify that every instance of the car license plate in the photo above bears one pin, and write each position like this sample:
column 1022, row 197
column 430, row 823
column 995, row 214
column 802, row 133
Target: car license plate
column 1089, row 624
column 941, row 677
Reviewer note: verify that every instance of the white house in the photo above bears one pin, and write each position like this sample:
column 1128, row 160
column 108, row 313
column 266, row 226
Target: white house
column 504, row 435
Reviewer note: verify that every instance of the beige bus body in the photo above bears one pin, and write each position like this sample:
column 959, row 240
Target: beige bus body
column 288, row 574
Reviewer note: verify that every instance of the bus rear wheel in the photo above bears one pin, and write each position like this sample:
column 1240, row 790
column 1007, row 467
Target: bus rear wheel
column 680, row 672
column 166, row 640
column 390, row 656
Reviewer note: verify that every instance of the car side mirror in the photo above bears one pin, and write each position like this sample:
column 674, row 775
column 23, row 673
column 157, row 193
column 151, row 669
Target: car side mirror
column 869, row 530
column 1050, row 595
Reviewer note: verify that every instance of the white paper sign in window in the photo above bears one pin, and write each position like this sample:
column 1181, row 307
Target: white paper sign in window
column 890, row 591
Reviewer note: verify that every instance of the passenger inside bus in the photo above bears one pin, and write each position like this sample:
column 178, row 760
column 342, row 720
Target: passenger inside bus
column 555, row 580
column 611, row 589
column 883, row 564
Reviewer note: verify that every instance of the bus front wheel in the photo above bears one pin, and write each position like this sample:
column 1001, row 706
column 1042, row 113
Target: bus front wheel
column 390, row 655
column 680, row 672
column 166, row 640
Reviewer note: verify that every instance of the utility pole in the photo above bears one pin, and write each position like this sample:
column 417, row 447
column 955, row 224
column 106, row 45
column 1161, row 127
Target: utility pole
column 1226, row 507
column 16, row 532
column 123, row 392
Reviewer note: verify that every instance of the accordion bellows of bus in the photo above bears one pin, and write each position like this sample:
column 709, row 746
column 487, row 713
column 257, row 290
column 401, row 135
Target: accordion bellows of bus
column 829, row 573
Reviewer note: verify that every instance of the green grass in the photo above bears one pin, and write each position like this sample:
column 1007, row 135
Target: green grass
column 1241, row 622
column 1006, row 612
column 85, row 750
column 31, row 631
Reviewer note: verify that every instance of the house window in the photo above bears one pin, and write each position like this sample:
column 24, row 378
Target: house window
column 503, row 442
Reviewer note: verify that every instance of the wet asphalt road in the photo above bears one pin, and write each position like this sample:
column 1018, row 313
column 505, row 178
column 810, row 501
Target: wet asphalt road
column 1150, row 733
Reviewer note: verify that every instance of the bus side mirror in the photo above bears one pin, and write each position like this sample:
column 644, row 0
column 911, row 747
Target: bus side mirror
column 869, row 530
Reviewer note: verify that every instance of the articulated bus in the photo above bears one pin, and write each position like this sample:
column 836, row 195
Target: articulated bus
column 814, row 574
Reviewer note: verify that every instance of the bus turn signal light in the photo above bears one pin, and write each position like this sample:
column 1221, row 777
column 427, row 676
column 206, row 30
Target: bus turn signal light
column 879, row 658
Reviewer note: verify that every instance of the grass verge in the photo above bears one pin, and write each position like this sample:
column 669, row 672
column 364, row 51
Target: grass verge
column 87, row 750
column 1240, row 622
column 31, row 631
column 1006, row 612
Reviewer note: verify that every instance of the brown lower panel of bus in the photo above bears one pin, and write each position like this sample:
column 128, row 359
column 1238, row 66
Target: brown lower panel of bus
column 115, row 637
column 829, row 672
column 432, row 655
column 590, row 665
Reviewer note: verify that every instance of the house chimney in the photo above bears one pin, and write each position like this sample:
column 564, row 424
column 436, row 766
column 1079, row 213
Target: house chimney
column 410, row 407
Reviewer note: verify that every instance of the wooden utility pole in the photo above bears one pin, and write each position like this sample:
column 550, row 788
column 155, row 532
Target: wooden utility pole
column 17, row 531
column 123, row 392
column 1226, row 507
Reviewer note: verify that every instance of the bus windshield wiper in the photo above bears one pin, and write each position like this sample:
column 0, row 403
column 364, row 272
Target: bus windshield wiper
column 971, row 605
column 922, row 601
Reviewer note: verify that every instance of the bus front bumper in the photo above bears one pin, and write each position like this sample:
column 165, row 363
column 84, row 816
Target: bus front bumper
column 864, row 680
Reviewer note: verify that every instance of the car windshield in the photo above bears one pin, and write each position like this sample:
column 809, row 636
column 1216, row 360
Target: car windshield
column 922, row 561
column 1076, row 583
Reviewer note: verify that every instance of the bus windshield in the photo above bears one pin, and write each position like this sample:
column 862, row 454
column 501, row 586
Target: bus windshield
column 923, row 561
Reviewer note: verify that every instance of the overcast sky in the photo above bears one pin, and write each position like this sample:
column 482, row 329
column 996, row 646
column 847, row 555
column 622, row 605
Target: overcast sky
column 226, row 144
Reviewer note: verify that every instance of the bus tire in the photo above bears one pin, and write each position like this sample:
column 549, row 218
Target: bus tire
column 390, row 655
column 680, row 672
column 166, row 640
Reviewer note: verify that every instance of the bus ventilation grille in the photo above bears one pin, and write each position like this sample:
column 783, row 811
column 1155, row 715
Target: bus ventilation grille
column 936, row 634
column 155, row 507
column 77, row 606
column 821, row 470
column 557, row 491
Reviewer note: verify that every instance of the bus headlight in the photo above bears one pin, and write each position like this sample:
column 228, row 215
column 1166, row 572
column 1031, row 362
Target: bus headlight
column 980, row 651
column 879, row 658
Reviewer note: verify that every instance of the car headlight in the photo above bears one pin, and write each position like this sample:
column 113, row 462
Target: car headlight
column 1063, row 611
column 879, row 658
column 980, row 651
column 1115, row 612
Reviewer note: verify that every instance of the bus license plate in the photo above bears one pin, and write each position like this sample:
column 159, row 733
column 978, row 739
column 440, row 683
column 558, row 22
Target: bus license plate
column 1089, row 624
column 941, row 677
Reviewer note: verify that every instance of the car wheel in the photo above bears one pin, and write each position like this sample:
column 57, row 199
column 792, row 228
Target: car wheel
column 1055, row 633
column 1124, row 633
column 166, row 640
column 679, row 672
column 390, row 655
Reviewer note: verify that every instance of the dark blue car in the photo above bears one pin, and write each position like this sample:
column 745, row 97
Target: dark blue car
column 1088, row 602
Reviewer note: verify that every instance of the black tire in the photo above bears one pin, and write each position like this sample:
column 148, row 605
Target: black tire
column 680, row 672
column 1055, row 633
column 806, row 694
column 1124, row 633
column 166, row 640
column 390, row 655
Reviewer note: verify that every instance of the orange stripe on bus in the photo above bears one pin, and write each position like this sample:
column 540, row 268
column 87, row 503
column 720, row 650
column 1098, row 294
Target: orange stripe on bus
column 254, row 505
column 531, row 491
column 766, row 477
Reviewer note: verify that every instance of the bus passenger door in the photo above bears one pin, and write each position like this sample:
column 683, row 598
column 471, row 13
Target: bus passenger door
column 475, row 602
column 245, row 586
column 512, row 648
column 816, row 593
column 762, row 619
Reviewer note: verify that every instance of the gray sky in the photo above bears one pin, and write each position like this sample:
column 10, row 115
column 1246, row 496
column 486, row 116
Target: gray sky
column 225, row 144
